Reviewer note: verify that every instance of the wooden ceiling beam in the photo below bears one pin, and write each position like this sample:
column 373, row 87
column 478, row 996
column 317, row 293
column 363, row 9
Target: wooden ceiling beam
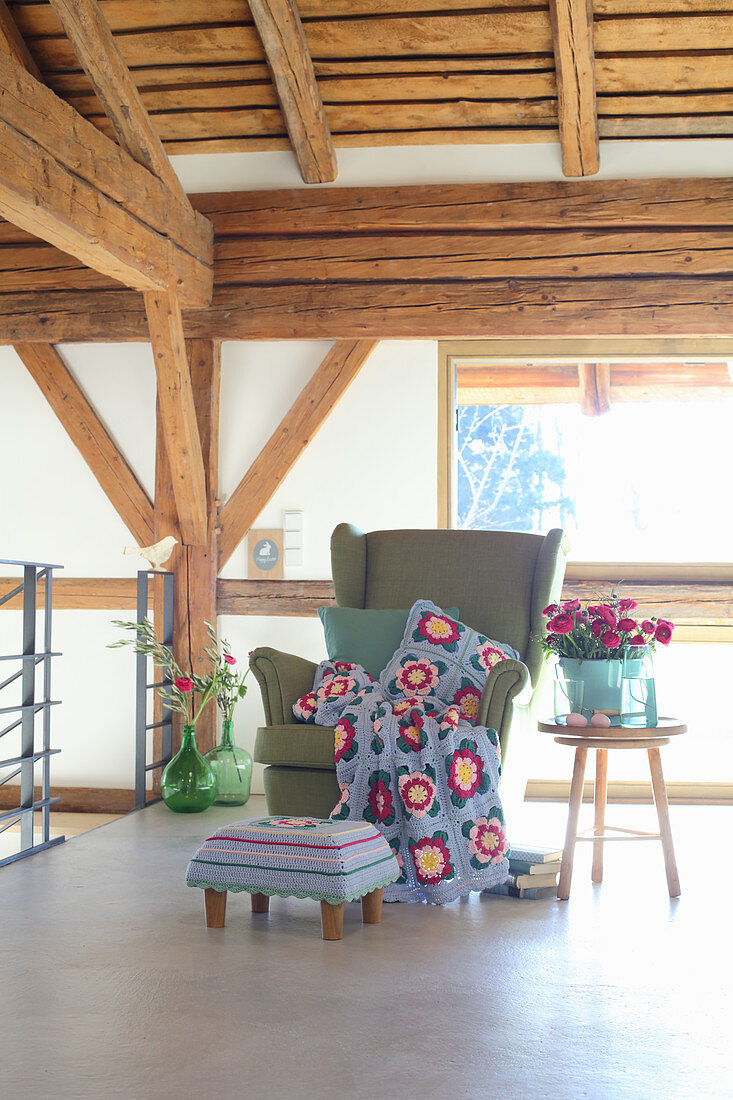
column 289, row 59
column 178, row 416
column 91, row 438
column 572, row 39
column 295, row 431
column 73, row 195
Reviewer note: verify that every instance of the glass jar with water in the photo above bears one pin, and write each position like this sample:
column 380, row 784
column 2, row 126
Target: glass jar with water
column 638, row 693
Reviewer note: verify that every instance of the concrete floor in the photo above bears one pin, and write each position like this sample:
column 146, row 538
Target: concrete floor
column 111, row 986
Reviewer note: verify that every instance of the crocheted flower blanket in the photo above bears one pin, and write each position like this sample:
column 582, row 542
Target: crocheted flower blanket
column 427, row 778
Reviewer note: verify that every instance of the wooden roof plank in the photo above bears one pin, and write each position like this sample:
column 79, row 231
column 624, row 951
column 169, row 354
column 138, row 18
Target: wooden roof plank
column 12, row 41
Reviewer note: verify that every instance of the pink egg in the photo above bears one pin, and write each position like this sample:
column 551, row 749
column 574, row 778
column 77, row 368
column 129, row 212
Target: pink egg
column 600, row 721
column 577, row 720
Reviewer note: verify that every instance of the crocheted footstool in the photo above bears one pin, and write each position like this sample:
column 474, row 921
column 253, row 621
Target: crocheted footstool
column 303, row 857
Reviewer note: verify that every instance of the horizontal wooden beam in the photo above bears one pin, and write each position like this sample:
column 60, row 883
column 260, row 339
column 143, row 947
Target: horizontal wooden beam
column 13, row 43
column 295, row 431
column 682, row 601
column 297, row 598
column 91, row 438
column 283, row 38
column 77, row 800
column 72, row 188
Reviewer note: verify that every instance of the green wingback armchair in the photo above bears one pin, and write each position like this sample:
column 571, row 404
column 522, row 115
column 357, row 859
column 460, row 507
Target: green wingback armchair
column 500, row 581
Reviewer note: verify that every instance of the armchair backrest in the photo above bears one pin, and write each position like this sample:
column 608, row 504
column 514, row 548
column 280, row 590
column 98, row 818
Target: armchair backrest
column 500, row 580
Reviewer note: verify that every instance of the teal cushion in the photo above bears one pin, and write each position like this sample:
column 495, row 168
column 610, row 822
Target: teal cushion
column 366, row 636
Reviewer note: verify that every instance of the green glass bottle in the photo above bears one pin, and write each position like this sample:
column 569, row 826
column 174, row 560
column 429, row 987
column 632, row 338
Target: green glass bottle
column 232, row 768
column 187, row 784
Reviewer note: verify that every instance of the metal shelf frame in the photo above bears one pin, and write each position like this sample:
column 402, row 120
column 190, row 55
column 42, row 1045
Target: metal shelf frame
column 164, row 631
column 28, row 708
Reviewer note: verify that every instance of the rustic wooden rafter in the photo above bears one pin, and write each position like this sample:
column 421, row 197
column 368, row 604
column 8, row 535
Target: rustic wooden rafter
column 13, row 43
column 295, row 431
column 64, row 181
column 91, row 438
column 572, row 36
column 594, row 385
column 284, row 41
column 95, row 47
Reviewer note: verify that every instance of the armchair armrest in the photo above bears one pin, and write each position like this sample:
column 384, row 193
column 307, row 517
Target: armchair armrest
column 503, row 684
column 283, row 678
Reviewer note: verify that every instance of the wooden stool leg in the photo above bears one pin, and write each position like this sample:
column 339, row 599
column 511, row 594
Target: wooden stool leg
column 665, row 829
column 260, row 903
column 215, row 903
column 371, row 907
column 599, row 798
column 332, row 921
column 576, row 797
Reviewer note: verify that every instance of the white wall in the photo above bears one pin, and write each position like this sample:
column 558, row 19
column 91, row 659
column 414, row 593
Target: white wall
column 373, row 463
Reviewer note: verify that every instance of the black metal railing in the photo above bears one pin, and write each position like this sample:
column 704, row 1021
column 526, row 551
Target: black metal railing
column 24, row 764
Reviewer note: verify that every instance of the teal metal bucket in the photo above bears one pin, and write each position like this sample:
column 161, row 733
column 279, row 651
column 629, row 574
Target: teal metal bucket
column 602, row 681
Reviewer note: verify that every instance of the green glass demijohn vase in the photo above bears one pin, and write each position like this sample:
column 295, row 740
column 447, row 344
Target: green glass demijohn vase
column 187, row 785
column 232, row 768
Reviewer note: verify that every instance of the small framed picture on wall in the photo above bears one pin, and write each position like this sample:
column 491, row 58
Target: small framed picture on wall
column 265, row 554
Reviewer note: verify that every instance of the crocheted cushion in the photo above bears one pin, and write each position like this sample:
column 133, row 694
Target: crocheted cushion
column 444, row 658
column 303, row 857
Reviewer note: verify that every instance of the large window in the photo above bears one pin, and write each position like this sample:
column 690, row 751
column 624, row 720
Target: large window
column 632, row 460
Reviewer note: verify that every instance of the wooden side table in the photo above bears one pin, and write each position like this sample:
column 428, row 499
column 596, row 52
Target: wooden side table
column 651, row 739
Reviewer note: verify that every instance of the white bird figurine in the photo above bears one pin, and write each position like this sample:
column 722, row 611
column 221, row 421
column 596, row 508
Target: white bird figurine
column 157, row 554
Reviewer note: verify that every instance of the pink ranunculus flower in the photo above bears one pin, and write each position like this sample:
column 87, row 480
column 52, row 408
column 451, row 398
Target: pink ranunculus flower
column 666, row 623
column 229, row 659
column 607, row 614
column 648, row 626
column 638, row 639
column 550, row 610
column 184, row 684
column 561, row 624
column 628, row 625
column 663, row 633
column 597, row 627
column 627, row 604
column 611, row 640
column 571, row 605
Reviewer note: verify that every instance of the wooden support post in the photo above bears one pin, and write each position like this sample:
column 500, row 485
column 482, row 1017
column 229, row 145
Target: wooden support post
column 600, row 792
column 177, row 413
column 194, row 567
column 571, row 831
column 665, row 828
column 594, row 383
column 260, row 903
column 371, row 907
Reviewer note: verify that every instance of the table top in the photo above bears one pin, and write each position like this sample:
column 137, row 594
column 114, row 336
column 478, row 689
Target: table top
column 665, row 728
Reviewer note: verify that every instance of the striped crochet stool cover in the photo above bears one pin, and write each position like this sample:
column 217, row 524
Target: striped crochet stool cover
column 302, row 857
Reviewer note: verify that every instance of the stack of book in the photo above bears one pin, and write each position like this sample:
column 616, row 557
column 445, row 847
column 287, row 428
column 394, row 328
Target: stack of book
column 532, row 872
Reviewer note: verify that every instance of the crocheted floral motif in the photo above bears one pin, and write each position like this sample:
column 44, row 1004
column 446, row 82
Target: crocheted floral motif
column 418, row 791
column 395, row 844
column 305, row 708
column 449, row 722
column 380, row 806
column 468, row 698
column 293, row 822
column 335, row 687
column 411, row 737
column 486, row 837
column 431, row 857
column 465, row 773
column 439, row 630
column 417, row 676
column 345, row 744
column 486, row 656
column 342, row 809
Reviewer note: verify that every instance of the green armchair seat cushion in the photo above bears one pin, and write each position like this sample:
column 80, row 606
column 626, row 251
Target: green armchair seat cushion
column 295, row 746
